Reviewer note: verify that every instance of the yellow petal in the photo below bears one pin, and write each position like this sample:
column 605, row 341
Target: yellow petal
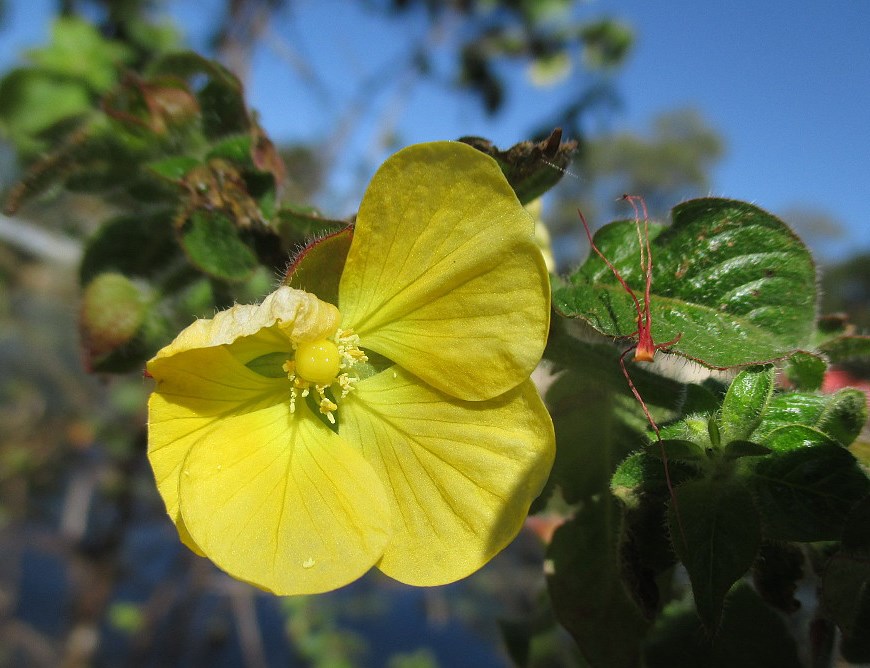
column 202, row 383
column 200, row 392
column 460, row 475
column 443, row 275
column 284, row 503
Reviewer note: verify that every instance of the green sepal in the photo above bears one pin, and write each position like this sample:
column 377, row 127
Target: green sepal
column 806, row 371
column 530, row 168
column 716, row 532
column 318, row 267
column 298, row 225
column 270, row 365
column 677, row 450
column 643, row 473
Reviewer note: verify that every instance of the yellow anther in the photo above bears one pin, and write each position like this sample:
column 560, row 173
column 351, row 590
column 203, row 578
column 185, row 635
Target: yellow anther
column 347, row 384
column 348, row 348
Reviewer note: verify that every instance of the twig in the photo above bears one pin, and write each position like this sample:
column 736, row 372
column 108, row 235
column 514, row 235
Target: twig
column 45, row 245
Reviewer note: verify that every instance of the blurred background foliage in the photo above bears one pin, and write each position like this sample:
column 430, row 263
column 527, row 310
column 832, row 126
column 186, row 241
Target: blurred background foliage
column 110, row 132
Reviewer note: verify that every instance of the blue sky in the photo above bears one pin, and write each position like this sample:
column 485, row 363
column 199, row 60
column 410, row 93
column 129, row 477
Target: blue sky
column 786, row 85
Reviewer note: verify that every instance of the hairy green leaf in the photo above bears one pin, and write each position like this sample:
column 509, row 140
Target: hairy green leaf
column 140, row 245
column 804, row 491
column 776, row 573
column 840, row 416
column 738, row 449
column 174, row 168
column 716, row 533
column 731, row 278
column 746, row 401
column 587, row 591
column 752, row 635
column 846, row 348
column 214, row 246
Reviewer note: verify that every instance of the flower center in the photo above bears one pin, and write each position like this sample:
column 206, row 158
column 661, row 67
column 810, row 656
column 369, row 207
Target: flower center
column 321, row 364
column 318, row 362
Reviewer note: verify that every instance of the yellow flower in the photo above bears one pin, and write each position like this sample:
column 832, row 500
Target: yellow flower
column 296, row 463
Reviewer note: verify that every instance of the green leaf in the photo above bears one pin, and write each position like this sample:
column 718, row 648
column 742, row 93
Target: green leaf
column 174, row 168
column 776, row 573
column 645, row 551
column 846, row 348
column 606, row 43
column 794, row 437
column 738, row 449
column 731, row 278
column 587, row 591
column 746, row 401
column 220, row 98
column 678, row 450
column 846, row 585
column 716, row 533
column 856, row 533
column 140, row 245
column 78, row 51
column 597, row 420
column 236, row 149
column 643, row 473
column 752, row 635
column 840, row 416
column 804, row 491
column 32, row 103
column 579, row 407
column 214, row 246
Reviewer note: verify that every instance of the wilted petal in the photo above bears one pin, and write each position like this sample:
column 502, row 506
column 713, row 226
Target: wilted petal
column 443, row 275
column 460, row 475
column 285, row 315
